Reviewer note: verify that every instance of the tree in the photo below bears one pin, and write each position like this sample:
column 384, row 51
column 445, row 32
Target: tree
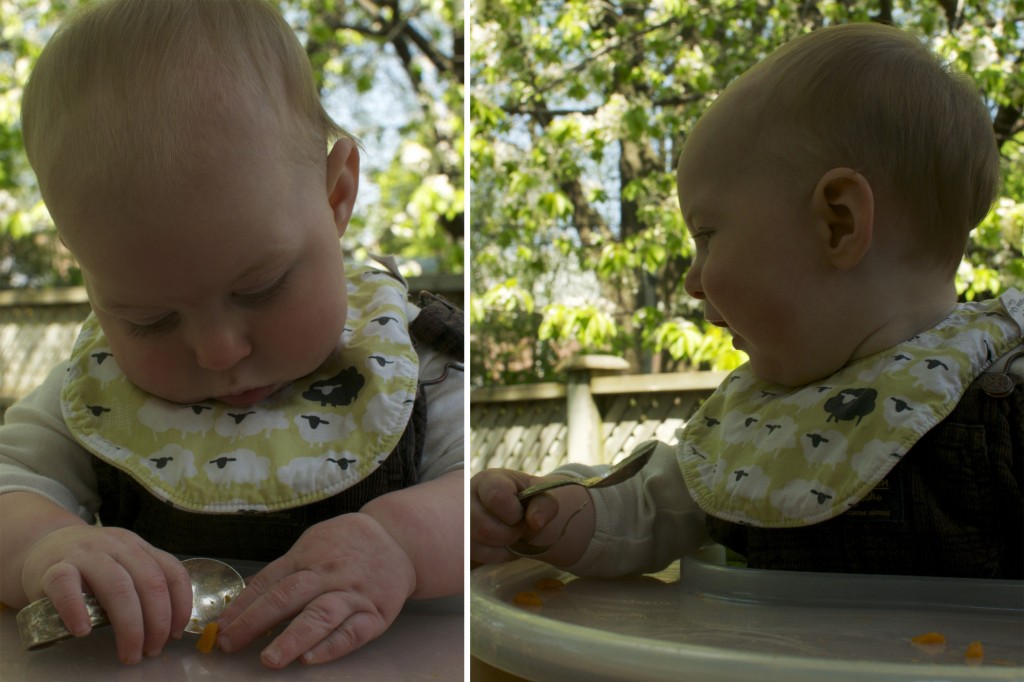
column 579, row 110
column 391, row 71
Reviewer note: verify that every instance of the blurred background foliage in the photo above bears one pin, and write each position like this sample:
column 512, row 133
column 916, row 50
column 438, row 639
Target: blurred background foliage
column 578, row 112
column 391, row 72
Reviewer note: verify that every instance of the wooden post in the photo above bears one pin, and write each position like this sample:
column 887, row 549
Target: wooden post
column 585, row 438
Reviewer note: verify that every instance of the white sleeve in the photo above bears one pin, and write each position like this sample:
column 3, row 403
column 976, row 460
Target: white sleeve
column 38, row 453
column 644, row 523
column 443, row 379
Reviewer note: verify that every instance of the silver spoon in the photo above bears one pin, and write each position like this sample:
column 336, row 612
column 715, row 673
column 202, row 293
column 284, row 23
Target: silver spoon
column 214, row 585
column 618, row 473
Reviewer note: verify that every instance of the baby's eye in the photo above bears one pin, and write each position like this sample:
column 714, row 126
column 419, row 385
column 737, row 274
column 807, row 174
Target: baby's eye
column 702, row 235
column 265, row 295
column 143, row 329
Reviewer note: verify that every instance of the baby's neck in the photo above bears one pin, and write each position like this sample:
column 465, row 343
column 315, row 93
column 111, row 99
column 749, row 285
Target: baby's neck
column 907, row 311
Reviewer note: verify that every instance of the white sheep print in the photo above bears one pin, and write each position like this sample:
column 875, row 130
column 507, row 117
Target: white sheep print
column 773, row 456
column 309, row 441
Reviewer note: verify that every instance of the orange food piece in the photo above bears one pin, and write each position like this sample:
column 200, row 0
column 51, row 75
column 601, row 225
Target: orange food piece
column 527, row 599
column 975, row 653
column 929, row 638
column 548, row 584
column 208, row 638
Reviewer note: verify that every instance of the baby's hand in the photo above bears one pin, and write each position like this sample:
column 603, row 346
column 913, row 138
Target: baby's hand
column 497, row 518
column 145, row 591
column 344, row 582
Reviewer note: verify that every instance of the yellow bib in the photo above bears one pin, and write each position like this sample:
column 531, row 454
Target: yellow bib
column 776, row 457
column 309, row 441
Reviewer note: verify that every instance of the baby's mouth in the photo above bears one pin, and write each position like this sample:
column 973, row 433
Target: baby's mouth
column 247, row 398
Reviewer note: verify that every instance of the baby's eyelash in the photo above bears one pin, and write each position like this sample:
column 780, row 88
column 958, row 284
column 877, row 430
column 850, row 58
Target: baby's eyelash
column 143, row 330
column 266, row 294
column 168, row 322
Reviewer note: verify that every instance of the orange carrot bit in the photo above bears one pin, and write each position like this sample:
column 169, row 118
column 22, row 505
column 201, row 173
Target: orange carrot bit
column 208, row 638
column 548, row 584
column 975, row 654
column 527, row 599
column 930, row 643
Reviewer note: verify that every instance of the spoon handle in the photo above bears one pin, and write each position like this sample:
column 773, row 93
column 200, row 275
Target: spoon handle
column 527, row 493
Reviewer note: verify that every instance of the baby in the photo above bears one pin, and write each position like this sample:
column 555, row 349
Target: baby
column 236, row 393
column 879, row 425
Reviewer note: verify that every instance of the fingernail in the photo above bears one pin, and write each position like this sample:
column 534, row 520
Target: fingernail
column 224, row 643
column 271, row 656
column 82, row 630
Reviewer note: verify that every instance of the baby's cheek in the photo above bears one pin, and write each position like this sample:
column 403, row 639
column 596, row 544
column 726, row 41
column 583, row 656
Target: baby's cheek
column 309, row 333
column 159, row 369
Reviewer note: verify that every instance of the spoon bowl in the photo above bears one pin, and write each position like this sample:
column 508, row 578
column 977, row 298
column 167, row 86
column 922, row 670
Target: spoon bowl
column 214, row 585
column 618, row 473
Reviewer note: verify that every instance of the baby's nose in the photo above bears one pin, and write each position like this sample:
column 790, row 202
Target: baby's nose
column 691, row 283
column 219, row 347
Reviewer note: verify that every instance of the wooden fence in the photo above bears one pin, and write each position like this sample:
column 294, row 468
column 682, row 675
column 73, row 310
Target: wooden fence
column 597, row 416
column 38, row 329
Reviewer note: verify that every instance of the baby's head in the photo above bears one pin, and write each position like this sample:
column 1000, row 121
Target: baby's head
column 181, row 149
column 830, row 191
column 874, row 99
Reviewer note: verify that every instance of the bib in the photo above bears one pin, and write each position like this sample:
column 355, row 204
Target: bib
column 774, row 456
column 310, row 440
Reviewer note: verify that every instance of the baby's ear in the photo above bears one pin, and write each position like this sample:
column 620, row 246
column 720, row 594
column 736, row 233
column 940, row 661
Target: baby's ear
column 343, row 181
column 844, row 205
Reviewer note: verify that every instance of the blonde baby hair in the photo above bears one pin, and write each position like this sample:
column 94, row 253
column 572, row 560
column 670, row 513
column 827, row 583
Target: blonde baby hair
column 129, row 92
column 874, row 98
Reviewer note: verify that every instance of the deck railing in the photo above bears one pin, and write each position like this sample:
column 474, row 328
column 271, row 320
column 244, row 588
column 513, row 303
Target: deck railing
column 598, row 415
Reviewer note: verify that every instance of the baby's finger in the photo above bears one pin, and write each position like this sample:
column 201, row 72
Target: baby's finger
column 149, row 574
column 488, row 530
column 266, row 578
column 180, row 591
column 281, row 602
column 497, row 497
column 115, row 591
column 321, row 617
column 540, row 510
column 62, row 584
column 354, row 632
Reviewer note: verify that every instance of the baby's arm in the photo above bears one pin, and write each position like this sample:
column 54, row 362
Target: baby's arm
column 346, row 579
column 47, row 550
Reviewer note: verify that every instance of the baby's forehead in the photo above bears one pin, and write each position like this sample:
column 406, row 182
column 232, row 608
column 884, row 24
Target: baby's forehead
column 722, row 135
